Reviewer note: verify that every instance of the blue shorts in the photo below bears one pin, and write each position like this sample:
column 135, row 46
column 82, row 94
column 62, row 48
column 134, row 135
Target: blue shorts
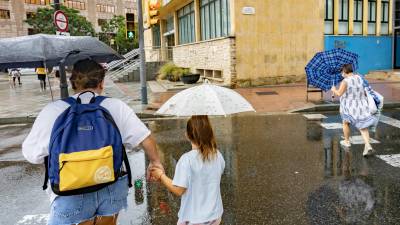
column 79, row 208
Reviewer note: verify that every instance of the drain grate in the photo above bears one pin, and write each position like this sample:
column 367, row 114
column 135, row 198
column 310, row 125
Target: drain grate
column 267, row 93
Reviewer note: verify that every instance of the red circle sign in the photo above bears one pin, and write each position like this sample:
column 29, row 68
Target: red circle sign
column 61, row 21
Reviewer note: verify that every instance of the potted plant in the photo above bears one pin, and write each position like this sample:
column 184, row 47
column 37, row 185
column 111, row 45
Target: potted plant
column 188, row 77
column 170, row 72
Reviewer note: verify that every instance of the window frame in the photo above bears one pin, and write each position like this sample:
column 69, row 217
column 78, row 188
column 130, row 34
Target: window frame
column 214, row 21
column 186, row 24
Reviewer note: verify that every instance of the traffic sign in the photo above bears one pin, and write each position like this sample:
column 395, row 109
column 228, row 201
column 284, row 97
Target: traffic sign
column 61, row 21
column 63, row 33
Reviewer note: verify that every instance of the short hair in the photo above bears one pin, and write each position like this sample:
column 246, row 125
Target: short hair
column 347, row 68
column 86, row 74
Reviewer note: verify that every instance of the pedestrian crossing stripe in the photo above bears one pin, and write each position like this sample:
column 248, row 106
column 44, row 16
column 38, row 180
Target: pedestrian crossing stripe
column 332, row 126
column 38, row 219
column 358, row 140
column 393, row 160
column 314, row 116
column 390, row 121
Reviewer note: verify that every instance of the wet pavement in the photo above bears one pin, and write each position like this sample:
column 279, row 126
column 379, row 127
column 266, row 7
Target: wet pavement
column 27, row 100
column 280, row 169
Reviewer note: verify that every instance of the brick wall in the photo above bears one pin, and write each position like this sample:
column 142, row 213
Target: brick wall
column 216, row 54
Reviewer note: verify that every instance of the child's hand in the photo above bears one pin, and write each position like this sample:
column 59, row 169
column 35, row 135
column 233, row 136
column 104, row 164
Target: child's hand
column 156, row 173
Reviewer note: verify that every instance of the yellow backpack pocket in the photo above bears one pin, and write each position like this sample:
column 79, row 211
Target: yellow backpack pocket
column 86, row 168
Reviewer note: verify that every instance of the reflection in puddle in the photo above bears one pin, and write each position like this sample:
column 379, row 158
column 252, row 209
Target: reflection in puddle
column 283, row 170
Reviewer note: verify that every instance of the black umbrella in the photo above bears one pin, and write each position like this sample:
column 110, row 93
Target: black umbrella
column 44, row 50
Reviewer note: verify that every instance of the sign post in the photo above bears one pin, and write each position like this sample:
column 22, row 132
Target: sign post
column 143, row 82
column 61, row 23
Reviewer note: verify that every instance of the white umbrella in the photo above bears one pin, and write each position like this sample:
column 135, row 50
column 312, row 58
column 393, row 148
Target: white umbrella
column 205, row 99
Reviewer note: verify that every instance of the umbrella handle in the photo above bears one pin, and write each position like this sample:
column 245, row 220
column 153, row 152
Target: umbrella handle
column 333, row 95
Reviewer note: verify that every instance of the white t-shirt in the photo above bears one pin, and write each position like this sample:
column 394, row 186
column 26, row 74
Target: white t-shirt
column 202, row 200
column 36, row 146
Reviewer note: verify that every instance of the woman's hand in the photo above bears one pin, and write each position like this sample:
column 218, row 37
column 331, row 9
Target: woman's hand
column 156, row 173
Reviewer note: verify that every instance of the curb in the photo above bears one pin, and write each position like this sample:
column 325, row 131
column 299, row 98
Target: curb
column 335, row 107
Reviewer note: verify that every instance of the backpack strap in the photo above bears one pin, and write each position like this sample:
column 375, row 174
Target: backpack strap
column 70, row 100
column 46, row 174
column 124, row 154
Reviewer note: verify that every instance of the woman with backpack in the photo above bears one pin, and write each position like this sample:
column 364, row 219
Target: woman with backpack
column 81, row 140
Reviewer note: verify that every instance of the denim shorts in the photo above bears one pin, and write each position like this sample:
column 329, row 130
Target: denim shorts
column 79, row 208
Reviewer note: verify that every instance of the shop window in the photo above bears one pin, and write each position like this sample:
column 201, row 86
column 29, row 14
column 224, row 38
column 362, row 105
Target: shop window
column 329, row 16
column 358, row 17
column 343, row 16
column 186, row 24
column 156, row 35
column 385, row 17
column 214, row 18
column 371, row 16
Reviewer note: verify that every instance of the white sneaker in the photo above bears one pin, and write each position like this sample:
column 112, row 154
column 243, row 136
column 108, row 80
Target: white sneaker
column 368, row 150
column 346, row 144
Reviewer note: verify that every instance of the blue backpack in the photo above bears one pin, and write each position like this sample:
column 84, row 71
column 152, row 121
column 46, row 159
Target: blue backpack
column 86, row 150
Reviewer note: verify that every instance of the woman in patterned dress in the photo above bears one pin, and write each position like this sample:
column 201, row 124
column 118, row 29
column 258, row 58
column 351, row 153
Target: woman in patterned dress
column 354, row 107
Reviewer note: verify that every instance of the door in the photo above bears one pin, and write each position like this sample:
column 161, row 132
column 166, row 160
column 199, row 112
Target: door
column 396, row 49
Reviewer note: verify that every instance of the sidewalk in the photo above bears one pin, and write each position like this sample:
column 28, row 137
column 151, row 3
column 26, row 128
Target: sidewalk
column 285, row 98
column 27, row 101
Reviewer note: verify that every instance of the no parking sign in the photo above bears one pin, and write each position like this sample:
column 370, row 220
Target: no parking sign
column 61, row 21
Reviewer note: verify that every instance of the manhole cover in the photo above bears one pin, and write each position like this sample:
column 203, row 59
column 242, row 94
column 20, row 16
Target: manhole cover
column 267, row 93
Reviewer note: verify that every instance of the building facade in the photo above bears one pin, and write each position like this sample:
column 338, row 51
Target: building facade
column 251, row 43
column 14, row 12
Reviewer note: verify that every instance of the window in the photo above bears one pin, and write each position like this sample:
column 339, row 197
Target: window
column 186, row 24
column 343, row 16
column 329, row 16
column 4, row 14
column 156, row 35
column 385, row 17
column 358, row 16
column 371, row 16
column 75, row 4
column 214, row 18
column 129, row 10
column 101, row 22
column 105, row 8
column 39, row 2
column 30, row 15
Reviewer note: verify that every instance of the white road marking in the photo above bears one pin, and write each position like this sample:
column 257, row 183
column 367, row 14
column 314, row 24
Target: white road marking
column 393, row 160
column 39, row 219
column 331, row 126
column 358, row 140
column 390, row 121
column 314, row 116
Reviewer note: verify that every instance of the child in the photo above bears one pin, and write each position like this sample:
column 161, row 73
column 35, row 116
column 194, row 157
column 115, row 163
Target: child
column 197, row 176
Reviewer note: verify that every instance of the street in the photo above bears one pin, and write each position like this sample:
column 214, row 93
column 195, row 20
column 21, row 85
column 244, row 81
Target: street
column 280, row 169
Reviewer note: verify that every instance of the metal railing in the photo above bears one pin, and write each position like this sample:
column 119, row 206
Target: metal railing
column 127, row 57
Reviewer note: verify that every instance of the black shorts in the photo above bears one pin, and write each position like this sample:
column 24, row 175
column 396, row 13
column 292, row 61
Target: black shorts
column 41, row 77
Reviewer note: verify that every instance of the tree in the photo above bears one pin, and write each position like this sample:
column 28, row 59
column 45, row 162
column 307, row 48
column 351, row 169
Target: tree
column 42, row 22
column 116, row 29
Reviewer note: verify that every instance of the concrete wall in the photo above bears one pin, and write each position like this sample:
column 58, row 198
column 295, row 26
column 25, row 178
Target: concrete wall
column 375, row 51
column 218, row 54
column 278, row 40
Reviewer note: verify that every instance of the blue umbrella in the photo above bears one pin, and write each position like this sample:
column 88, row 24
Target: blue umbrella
column 324, row 69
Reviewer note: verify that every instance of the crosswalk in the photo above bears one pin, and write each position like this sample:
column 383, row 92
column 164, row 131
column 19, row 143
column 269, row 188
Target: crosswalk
column 393, row 160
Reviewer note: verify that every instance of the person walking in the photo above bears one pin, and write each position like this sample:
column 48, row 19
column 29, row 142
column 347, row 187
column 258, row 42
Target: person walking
column 354, row 108
column 41, row 73
column 63, row 137
column 197, row 176
column 16, row 74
